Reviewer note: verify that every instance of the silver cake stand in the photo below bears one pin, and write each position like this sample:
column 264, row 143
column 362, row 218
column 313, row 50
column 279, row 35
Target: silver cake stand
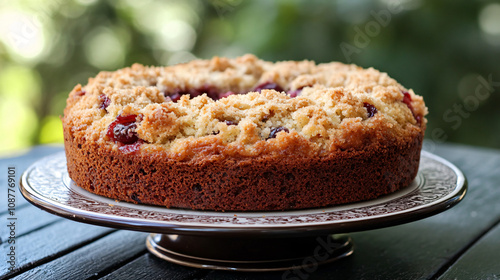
column 247, row 241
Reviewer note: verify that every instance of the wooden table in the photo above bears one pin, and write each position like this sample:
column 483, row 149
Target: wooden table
column 461, row 243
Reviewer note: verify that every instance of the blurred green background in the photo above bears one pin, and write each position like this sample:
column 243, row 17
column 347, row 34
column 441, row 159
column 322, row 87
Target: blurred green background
column 447, row 51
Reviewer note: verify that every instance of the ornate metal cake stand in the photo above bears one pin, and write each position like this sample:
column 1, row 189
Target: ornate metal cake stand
column 255, row 241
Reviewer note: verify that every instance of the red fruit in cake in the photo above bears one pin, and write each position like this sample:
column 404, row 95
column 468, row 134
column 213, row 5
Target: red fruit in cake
column 370, row 109
column 407, row 101
column 211, row 92
column 104, row 101
column 131, row 148
column 268, row 85
column 175, row 96
column 123, row 129
column 226, row 94
column 275, row 131
column 294, row 93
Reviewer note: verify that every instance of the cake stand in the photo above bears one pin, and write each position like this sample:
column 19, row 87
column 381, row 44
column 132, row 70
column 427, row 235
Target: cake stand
column 247, row 241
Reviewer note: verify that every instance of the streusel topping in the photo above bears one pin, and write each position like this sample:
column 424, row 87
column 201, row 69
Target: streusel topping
column 245, row 107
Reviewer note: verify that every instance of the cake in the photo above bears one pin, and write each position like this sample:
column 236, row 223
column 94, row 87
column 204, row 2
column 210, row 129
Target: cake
column 243, row 134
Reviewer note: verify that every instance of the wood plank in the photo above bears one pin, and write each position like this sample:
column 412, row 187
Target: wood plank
column 50, row 242
column 28, row 219
column 418, row 250
column 482, row 261
column 152, row 268
column 94, row 259
column 21, row 161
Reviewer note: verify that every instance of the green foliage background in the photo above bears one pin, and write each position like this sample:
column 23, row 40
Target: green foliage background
column 447, row 51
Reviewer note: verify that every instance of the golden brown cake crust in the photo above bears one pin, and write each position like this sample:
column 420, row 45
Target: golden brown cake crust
column 245, row 184
column 350, row 134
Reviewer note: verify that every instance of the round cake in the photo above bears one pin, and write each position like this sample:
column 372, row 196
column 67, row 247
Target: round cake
column 243, row 134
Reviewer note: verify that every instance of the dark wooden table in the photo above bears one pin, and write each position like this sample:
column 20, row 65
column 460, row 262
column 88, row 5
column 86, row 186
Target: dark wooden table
column 461, row 243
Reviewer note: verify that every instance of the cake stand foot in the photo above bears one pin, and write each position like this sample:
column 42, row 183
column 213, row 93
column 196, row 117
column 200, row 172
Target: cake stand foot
column 249, row 254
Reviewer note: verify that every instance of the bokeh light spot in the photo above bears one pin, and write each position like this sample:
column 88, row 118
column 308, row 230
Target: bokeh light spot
column 52, row 131
column 20, row 83
column 467, row 85
column 89, row 2
column 23, row 35
column 176, row 35
column 489, row 19
column 104, row 50
column 19, row 123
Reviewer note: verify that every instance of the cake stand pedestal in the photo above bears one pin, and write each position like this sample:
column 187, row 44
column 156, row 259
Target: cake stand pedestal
column 249, row 254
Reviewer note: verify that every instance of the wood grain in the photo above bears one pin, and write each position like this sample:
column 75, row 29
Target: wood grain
column 21, row 161
column 51, row 242
column 152, row 268
column 482, row 261
column 94, row 259
column 29, row 219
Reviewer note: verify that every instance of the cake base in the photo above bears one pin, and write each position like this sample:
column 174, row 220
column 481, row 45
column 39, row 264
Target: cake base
column 263, row 183
column 295, row 254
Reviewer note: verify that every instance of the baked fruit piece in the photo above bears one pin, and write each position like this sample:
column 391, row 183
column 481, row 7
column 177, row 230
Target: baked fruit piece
column 243, row 134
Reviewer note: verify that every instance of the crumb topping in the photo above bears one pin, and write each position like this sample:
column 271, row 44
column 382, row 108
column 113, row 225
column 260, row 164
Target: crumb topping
column 244, row 107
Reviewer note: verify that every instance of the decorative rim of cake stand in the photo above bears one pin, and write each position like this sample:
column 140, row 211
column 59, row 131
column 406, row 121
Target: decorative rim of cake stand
column 438, row 186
